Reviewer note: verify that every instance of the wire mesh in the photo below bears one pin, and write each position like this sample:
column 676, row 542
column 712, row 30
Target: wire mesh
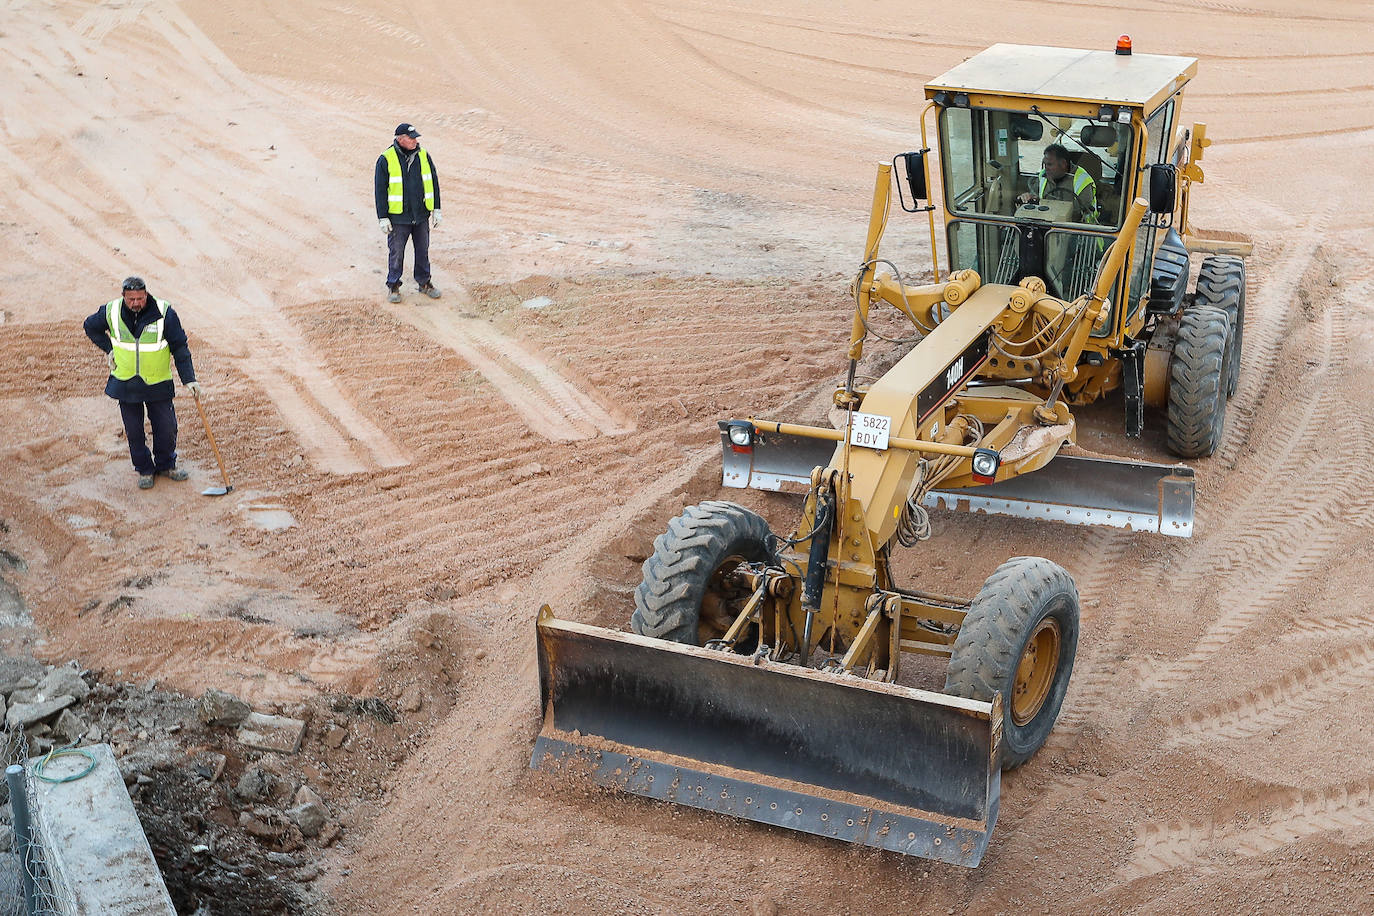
column 47, row 900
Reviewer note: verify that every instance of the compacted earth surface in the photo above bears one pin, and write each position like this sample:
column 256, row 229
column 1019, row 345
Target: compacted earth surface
column 653, row 210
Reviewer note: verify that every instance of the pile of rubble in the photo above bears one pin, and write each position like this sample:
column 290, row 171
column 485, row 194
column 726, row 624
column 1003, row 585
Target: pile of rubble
column 40, row 701
column 272, row 800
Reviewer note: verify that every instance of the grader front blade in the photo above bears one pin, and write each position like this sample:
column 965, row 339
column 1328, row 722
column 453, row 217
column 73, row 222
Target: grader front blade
column 839, row 756
column 1118, row 493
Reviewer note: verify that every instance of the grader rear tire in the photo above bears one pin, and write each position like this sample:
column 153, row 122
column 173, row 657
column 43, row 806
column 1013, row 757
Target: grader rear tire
column 1198, row 375
column 1019, row 638
column 684, row 596
column 1221, row 284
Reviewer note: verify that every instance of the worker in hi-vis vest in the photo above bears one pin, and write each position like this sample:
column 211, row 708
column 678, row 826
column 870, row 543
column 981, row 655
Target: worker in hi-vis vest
column 143, row 338
column 406, row 187
column 1060, row 179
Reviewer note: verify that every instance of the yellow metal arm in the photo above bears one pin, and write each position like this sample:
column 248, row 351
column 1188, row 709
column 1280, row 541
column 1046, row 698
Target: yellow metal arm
column 1116, row 257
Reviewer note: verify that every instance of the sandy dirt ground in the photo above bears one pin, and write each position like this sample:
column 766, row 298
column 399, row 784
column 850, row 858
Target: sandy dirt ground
column 686, row 184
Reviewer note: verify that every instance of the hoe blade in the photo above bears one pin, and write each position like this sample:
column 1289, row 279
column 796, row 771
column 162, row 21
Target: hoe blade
column 839, row 756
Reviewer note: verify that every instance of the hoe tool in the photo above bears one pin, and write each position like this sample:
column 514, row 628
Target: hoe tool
column 224, row 475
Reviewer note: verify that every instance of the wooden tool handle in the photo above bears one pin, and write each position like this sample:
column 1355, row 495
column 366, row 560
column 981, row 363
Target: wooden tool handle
column 211, row 436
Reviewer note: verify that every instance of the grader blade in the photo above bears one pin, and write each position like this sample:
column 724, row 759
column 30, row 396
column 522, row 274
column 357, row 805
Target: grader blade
column 1088, row 491
column 839, row 756
column 773, row 461
column 1139, row 495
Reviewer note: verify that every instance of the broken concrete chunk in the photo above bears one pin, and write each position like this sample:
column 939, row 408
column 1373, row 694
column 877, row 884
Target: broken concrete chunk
column 258, row 784
column 22, row 715
column 220, row 708
column 272, row 733
column 310, row 818
column 64, row 680
column 17, row 674
column 69, row 727
column 306, row 795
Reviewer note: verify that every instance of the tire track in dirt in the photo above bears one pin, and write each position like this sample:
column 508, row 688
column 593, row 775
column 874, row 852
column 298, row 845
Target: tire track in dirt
column 385, row 27
column 1096, row 670
column 1345, row 626
column 551, row 405
column 1267, row 322
column 1268, row 708
column 1247, row 599
column 106, row 16
column 1259, row 538
column 1162, row 847
column 402, row 537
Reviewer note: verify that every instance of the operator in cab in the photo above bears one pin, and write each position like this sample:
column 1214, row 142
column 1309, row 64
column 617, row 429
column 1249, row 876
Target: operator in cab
column 1059, row 179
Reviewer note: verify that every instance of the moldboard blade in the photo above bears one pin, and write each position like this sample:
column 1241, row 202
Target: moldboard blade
column 888, row 766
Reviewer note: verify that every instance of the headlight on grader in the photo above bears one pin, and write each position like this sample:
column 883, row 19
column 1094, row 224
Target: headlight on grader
column 985, row 464
column 741, row 435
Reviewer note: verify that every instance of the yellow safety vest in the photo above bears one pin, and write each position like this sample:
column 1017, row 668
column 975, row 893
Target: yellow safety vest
column 1081, row 180
column 395, row 190
column 147, row 356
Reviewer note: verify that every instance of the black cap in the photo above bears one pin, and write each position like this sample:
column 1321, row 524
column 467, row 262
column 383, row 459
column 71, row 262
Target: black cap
column 407, row 129
column 134, row 283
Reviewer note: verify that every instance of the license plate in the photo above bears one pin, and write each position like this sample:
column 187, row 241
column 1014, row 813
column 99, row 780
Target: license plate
column 870, row 430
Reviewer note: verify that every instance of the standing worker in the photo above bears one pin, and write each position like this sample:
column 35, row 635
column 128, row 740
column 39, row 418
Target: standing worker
column 142, row 337
column 406, row 186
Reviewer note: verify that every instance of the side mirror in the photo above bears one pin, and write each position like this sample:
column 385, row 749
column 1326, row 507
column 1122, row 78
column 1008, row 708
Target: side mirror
column 914, row 164
column 1162, row 188
column 1026, row 128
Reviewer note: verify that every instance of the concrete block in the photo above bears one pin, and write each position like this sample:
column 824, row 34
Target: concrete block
column 272, row 733
column 22, row 715
column 64, row 680
column 97, row 853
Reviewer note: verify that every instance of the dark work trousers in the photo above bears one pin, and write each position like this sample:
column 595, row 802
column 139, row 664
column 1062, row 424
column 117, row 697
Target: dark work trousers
column 396, row 252
column 163, row 418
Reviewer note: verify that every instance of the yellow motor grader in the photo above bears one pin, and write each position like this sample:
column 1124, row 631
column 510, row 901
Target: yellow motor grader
column 761, row 676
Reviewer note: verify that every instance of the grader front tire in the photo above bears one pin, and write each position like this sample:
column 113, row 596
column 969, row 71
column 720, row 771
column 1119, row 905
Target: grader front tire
column 685, row 596
column 1198, row 377
column 1019, row 638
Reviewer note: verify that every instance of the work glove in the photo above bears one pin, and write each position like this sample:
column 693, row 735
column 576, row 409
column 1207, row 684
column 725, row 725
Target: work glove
column 109, row 358
column 194, row 388
column 436, row 218
column 384, row 225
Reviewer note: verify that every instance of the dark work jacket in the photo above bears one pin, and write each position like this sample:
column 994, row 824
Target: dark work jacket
column 135, row 389
column 412, row 187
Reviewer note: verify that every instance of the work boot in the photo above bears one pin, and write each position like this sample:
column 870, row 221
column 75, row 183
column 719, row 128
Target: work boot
column 175, row 474
column 146, row 481
column 394, row 294
column 429, row 290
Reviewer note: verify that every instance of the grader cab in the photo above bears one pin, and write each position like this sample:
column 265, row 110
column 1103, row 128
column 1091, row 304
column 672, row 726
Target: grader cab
column 762, row 677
